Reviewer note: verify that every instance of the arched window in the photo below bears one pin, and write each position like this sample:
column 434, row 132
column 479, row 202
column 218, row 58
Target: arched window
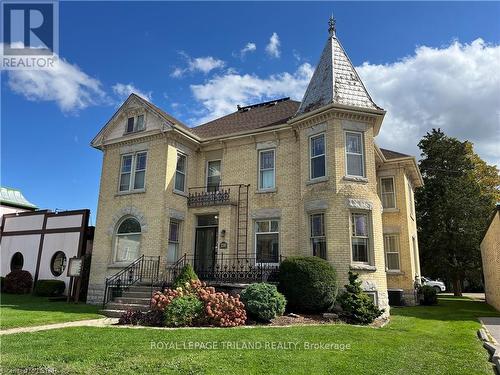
column 58, row 263
column 127, row 240
column 17, row 262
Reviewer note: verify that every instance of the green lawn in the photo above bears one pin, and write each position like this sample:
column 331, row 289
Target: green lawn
column 419, row 340
column 26, row 310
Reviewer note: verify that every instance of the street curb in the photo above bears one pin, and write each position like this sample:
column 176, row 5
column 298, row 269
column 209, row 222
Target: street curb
column 493, row 350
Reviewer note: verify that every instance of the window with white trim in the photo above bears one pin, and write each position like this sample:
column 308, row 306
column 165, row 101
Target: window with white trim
column 173, row 241
column 180, row 173
column 133, row 171
column 373, row 296
column 266, row 169
column 127, row 240
column 387, row 192
column 318, row 238
column 317, row 153
column 213, row 175
column 391, row 247
column 360, row 237
column 354, row 154
column 135, row 124
column 267, row 241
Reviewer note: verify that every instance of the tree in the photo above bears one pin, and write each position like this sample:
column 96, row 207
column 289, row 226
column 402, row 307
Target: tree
column 452, row 207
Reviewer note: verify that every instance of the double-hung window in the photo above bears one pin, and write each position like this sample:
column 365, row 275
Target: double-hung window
column 318, row 238
column 387, row 192
column 173, row 241
column 317, row 155
column 133, row 171
column 391, row 246
column 266, row 170
column 213, row 175
column 360, row 240
column 354, row 154
column 267, row 241
column 135, row 124
column 180, row 173
column 411, row 201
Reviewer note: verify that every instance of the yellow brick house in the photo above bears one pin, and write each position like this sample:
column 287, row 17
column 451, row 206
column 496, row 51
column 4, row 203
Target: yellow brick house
column 236, row 195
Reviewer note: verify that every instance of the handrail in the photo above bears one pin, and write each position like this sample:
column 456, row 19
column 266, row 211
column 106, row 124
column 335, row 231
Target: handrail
column 144, row 267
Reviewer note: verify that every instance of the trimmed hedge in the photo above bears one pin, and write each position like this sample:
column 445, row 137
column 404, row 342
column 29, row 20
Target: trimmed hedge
column 263, row 301
column 308, row 283
column 18, row 282
column 49, row 288
column 428, row 295
column 185, row 276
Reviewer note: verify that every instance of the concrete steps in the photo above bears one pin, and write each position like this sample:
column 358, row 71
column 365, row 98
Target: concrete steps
column 135, row 297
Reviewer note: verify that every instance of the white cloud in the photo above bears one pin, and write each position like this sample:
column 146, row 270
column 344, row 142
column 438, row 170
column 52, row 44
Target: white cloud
column 221, row 94
column 198, row 64
column 250, row 47
column 456, row 88
column 124, row 90
column 65, row 83
column 273, row 47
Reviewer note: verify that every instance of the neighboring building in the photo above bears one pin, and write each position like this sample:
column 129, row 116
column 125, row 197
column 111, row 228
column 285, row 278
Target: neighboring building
column 490, row 253
column 12, row 201
column 41, row 242
column 271, row 180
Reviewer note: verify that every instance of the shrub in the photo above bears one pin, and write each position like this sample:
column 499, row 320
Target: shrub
column 49, row 288
column 263, row 301
column 219, row 309
column 185, row 276
column 357, row 307
column 152, row 318
column 428, row 295
column 2, row 283
column 308, row 283
column 18, row 282
column 183, row 311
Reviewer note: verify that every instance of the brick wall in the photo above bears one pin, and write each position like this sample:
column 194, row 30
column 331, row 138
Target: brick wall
column 490, row 253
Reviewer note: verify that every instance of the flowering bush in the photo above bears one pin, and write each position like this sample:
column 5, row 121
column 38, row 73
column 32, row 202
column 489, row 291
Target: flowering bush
column 219, row 309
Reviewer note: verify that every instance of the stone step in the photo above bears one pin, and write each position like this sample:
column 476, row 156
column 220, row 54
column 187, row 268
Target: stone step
column 127, row 306
column 128, row 294
column 139, row 288
column 133, row 300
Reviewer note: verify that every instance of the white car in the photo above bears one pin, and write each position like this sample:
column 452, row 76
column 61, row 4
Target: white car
column 438, row 285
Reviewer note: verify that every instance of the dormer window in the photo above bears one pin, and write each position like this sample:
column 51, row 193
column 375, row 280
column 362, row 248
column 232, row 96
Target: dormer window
column 135, row 124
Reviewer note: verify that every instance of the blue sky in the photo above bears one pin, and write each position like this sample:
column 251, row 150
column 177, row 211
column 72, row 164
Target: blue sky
column 187, row 58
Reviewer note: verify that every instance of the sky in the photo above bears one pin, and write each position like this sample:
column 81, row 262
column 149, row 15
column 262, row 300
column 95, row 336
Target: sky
column 428, row 64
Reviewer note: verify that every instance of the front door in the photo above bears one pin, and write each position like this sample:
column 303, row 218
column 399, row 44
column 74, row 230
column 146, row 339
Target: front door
column 205, row 251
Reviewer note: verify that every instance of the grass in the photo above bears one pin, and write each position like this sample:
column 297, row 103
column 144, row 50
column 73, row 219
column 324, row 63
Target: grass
column 26, row 310
column 419, row 340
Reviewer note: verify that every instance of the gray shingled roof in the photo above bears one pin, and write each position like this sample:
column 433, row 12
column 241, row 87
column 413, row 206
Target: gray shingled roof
column 249, row 118
column 14, row 198
column 335, row 81
column 389, row 154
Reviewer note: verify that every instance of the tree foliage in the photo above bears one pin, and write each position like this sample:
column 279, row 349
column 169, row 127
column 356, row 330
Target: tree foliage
column 453, row 207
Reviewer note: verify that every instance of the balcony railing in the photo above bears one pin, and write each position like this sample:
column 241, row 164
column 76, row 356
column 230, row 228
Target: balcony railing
column 212, row 195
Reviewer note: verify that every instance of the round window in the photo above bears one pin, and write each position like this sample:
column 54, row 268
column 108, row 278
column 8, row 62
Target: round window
column 17, row 262
column 58, row 263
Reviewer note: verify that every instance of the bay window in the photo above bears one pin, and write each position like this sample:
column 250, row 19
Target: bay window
column 133, row 171
column 318, row 238
column 360, row 239
column 354, row 154
column 317, row 156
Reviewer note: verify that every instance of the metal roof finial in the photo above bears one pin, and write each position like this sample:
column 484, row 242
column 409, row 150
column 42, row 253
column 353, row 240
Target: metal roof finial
column 331, row 26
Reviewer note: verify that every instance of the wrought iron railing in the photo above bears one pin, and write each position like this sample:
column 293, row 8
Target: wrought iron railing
column 231, row 269
column 144, row 268
column 212, row 195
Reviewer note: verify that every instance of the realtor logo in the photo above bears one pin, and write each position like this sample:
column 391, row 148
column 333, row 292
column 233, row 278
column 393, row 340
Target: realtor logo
column 29, row 34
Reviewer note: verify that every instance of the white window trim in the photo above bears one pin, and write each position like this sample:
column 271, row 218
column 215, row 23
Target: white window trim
column 170, row 241
column 369, row 237
column 255, row 241
column 322, row 134
column 206, row 172
column 375, row 296
column 115, row 242
column 132, row 172
column 134, row 128
column 184, row 173
column 311, row 237
column 392, row 252
column 273, row 188
column 393, row 192
column 362, row 154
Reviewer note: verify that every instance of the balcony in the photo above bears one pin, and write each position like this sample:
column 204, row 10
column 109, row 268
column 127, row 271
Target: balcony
column 204, row 196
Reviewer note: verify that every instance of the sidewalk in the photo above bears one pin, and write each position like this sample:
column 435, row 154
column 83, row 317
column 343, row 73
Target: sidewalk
column 103, row 322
